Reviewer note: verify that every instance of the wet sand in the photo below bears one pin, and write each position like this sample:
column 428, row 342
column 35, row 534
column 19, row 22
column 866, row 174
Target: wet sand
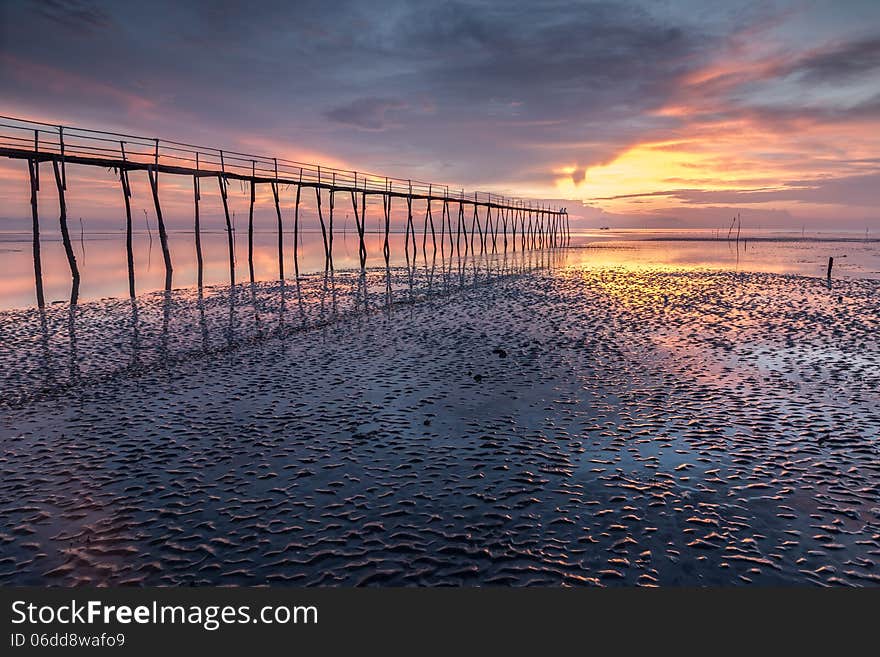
column 571, row 425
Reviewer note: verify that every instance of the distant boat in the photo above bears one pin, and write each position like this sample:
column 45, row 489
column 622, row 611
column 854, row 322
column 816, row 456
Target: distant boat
column 604, row 228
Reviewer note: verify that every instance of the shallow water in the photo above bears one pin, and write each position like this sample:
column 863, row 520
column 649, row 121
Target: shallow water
column 102, row 260
column 559, row 421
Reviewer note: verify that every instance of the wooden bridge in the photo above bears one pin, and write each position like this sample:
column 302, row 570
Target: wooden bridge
column 496, row 222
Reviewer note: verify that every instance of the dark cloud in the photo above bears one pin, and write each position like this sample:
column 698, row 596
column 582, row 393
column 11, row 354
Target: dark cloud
column 74, row 14
column 842, row 62
column 366, row 113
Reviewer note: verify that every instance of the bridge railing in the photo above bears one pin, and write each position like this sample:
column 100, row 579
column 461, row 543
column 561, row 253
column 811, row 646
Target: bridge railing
column 63, row 141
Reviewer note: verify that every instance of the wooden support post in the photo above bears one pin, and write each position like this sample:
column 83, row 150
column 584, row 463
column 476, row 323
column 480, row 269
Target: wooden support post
column 65, row 235
column 430, row 218
column 276, row 192
column 38, row 264
column 359, row 222
column 251, row 225
column 230, row 241
column 197, row 196
column 475, row 222
column 504, row 225
column 332, row 194
column 443, row 227
column 460, row 229
column 323, row 229
column 425, row 230
column 386, row 199
column 126, row 195
column 276, row 195
column 296, row 228
column 63, row 169
column 411, row 229
column 163, row 235
column 513, row 219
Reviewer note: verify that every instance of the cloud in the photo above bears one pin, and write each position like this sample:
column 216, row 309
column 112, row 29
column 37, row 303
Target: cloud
column 74, row 14
column 520, row 97
column 858, row 190
column 366, row 113
column 841, row 62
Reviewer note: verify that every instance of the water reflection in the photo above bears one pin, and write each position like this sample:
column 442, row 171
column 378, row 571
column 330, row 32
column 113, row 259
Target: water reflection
column 203, row 258
column 101, row 338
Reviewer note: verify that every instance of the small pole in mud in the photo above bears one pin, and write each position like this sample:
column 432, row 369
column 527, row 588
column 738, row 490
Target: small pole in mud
column 830, row 265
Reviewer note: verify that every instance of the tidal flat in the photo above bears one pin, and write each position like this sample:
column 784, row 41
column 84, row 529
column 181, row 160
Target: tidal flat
column 519, row 423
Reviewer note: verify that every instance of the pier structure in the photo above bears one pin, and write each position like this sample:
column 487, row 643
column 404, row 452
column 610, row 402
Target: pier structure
column 497, row 223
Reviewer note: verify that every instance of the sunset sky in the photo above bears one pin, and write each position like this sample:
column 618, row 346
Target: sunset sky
column 662, row 113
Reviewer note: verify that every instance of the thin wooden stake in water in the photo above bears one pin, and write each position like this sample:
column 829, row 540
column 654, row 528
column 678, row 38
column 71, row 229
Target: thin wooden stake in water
column 65, row 235
column 830, row 265
column 38, row 265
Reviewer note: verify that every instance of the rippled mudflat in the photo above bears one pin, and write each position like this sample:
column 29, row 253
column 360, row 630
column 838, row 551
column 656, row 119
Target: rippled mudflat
column 564, row 425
